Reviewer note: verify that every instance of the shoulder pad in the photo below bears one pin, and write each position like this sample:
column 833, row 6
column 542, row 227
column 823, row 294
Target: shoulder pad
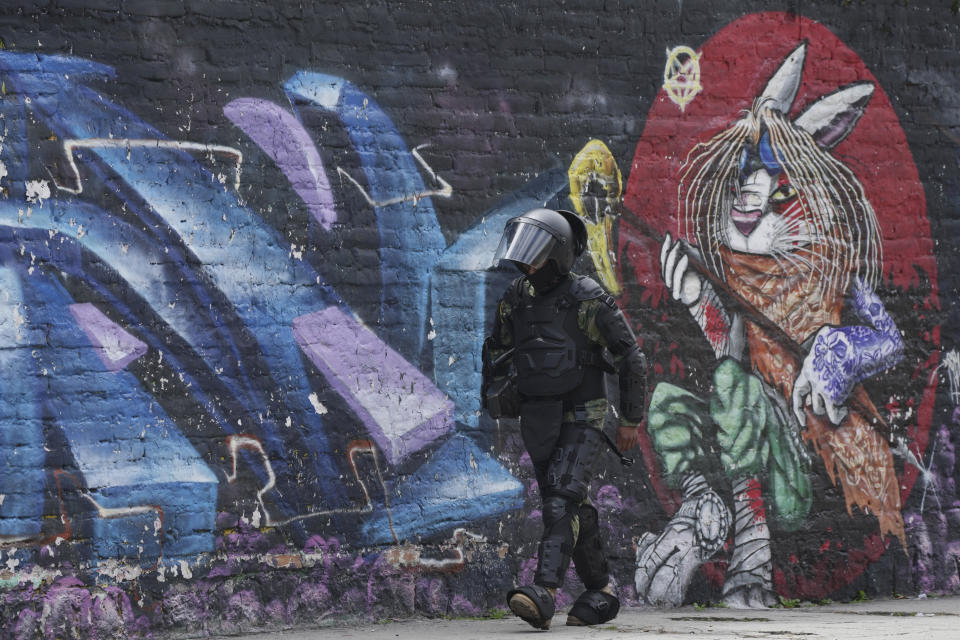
column 586, row 288
column 514, row 292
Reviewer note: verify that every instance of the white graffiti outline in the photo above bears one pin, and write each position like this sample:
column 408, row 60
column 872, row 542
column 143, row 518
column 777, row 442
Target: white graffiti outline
column 106, row 513
column 951, row 360
column 126, row 143
column 411, row 556
column 246, row 441
column 929, row 478
column 445, row 192
column 112, row 513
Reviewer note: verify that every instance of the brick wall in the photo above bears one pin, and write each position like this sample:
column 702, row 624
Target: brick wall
column 245, row 251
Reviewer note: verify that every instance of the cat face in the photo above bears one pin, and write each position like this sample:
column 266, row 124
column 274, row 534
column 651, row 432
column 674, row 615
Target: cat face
column 769, row 186
column 765, row 216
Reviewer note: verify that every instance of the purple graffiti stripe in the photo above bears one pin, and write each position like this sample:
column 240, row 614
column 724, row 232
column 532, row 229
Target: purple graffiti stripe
column 115, row 347
column 289, row 145
column 402, row 409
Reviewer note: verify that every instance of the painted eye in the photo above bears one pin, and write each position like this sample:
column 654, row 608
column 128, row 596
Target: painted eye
column 783, row 193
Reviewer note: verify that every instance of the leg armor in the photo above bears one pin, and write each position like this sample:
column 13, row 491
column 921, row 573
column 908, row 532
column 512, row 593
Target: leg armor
column 567, row 479
column 556, row 546
column 588, row 557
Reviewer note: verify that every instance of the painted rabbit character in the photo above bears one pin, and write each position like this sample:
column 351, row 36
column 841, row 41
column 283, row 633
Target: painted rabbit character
column 787, row 228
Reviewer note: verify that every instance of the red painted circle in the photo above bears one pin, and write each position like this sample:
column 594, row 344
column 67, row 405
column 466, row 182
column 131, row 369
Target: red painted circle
column 735, row 65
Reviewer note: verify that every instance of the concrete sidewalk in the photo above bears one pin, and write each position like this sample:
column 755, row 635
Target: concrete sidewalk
column 906, row 619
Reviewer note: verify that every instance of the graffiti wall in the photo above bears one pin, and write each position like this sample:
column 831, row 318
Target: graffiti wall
column 245, row 255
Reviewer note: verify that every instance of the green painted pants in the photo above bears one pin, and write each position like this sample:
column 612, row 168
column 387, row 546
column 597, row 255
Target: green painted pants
column 744, row 425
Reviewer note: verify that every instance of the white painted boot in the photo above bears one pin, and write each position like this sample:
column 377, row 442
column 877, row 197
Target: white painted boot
column 666, row 563
column 749, row 579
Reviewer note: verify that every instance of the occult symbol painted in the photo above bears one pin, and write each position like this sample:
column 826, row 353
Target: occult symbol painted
column 681, row 76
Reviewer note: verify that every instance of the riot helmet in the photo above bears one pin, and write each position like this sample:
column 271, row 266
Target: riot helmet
column 543, row 238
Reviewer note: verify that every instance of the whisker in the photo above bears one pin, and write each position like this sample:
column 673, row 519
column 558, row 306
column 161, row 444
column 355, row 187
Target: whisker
column 795, row 211
column 793, row 257
column 776, row 257
column 828, row 233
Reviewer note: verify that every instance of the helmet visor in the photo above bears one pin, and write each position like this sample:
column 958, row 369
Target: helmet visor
column 524, row 243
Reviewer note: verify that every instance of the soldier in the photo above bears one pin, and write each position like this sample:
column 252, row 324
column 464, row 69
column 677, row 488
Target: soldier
column 554, row 337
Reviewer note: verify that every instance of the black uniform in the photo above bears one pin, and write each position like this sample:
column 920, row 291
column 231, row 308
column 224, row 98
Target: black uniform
column 563, row 341
column 554, row 338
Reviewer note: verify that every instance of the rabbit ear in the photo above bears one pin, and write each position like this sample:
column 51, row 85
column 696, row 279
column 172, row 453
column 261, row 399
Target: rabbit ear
column 781, row 89
column 831, row 118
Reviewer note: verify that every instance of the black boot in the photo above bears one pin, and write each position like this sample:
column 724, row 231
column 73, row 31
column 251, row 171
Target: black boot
column 533, row 604
column 593, row 607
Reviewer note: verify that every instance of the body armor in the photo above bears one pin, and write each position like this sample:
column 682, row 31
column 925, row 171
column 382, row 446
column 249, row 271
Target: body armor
column 555, row 367
column 552, row 353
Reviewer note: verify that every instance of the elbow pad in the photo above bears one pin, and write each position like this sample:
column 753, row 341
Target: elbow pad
column 633, row 386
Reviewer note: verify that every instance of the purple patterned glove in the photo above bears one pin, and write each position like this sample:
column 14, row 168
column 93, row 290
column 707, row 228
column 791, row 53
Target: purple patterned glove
column 842, row 357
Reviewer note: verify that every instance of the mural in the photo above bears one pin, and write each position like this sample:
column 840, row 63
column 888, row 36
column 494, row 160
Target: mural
column 778, row 251
column 223, row 410
column 176, row 344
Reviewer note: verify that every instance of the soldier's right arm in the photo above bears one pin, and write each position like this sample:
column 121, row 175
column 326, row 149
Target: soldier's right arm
column 498, row 389
column 500, row 340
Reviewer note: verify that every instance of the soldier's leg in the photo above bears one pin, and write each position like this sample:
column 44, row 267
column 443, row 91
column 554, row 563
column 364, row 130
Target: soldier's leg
column 568, row 477
column 540, row 427
column 535, row 603
column 597, row 604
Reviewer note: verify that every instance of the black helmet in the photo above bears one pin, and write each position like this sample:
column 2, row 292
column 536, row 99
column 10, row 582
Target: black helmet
column 543, row 235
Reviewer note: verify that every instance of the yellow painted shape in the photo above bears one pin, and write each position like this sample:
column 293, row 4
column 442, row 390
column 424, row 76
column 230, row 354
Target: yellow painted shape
column 596, row 186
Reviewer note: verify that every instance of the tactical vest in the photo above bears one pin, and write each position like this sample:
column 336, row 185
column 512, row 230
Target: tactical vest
column 553, row 356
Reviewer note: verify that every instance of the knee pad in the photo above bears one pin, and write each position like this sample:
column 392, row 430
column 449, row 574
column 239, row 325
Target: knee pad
column 555, row 509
